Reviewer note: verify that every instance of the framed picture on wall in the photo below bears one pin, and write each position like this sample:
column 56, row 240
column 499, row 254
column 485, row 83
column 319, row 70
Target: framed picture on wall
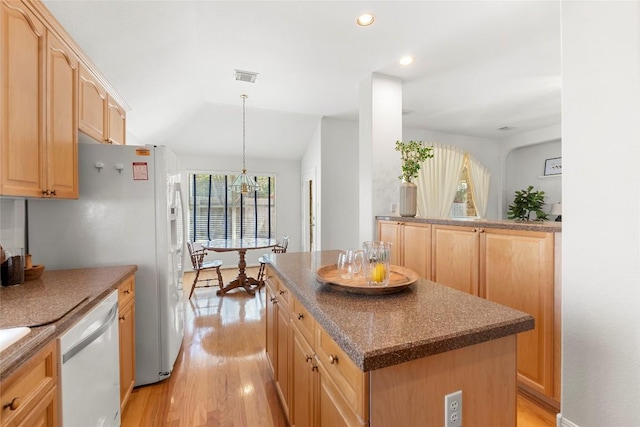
column 553, row 166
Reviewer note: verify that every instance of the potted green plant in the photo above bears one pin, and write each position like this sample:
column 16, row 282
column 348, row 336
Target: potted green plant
column 526, row 202
column 412, row 154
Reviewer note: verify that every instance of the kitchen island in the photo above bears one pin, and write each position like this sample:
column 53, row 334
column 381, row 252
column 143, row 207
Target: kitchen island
column 390, row 359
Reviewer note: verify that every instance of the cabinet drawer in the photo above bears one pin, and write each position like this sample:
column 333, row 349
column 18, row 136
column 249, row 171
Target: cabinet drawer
column 351, row 381
column 126, row 291
column 281, row 292
column 303, row 320
column 28, row 386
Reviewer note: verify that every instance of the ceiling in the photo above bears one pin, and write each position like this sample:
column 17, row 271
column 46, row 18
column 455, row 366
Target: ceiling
column 479, row 66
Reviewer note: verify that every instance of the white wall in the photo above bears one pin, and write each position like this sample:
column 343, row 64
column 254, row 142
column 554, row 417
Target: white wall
column 487, row 151
column 340, row 180
column 601, row 212
column 518, row 140
column 525, row 166
column 312, row 163
column 287, row 173
column 12, row 223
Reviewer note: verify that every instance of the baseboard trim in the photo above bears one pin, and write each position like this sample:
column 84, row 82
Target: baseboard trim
column 563, row 422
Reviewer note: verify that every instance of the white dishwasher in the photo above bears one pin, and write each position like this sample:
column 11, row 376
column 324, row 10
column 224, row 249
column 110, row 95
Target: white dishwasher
column 90, row 368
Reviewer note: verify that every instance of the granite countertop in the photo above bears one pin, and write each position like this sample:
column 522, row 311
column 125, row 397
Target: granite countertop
column 547, row 226
column 378, row 331
column 52, row 304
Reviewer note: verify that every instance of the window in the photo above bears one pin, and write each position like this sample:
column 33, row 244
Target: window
column 463, row 204
column 217, row 213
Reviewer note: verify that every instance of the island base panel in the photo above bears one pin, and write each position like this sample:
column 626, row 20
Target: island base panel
column 412, row 393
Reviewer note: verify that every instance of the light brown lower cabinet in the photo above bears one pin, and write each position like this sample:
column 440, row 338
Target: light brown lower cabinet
column 411, row 244
column 29, row 397
column 513, row 268
column 127, row 338
column 328, row 390
column 277, row 341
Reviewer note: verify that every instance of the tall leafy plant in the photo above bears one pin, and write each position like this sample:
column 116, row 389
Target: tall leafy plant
column 412, row 154
column 525, row 203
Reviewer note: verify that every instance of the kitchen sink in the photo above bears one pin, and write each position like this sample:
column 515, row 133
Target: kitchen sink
column 11, row 336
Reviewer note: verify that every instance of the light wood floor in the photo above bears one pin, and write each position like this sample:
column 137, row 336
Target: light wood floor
column 221, row 379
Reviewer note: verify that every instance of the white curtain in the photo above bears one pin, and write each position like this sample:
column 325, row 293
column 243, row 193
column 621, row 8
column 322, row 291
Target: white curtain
column 480, row 178
column 438, row 181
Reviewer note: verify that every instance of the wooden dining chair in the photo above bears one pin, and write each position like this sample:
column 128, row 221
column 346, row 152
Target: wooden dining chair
column 279, row 248
column 199, row 264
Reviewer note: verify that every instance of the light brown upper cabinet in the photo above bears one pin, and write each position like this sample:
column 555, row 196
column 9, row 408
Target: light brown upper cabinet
column 117, row 123
column 38, row 108
column 411, row 244
column 100, row 116
column 93, row 106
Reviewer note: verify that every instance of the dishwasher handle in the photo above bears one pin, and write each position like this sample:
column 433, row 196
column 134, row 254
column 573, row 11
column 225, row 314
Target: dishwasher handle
column 91, row 337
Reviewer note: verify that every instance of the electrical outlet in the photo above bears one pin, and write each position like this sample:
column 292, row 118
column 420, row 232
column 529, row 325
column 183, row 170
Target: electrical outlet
column 453, row 409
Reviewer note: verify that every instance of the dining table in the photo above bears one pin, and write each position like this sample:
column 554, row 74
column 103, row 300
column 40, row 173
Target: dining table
column 241, row 246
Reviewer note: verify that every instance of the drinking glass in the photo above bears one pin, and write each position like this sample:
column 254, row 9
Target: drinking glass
column 350, row 263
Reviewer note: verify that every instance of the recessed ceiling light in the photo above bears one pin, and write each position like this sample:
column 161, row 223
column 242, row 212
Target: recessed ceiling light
column 406, row 60
column 365, row 19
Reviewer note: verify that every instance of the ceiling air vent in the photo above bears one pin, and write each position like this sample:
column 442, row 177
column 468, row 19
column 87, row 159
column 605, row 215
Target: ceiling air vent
column 246, row 76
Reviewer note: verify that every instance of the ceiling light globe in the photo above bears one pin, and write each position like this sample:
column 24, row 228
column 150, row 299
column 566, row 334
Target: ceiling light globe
column 365, row 19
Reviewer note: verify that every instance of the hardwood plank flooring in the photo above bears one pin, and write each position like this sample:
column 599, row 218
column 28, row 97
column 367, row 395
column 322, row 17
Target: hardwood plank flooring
column 221, row 378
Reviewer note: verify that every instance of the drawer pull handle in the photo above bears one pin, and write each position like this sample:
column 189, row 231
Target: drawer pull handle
column 127, row 291
column 13, row 405
column 283, row 292
column 314, row 367
column 53, row 192
column 300, row 316
column 481, row 230
column 333, row 359
column 122, row 318
column 309, row 358
column 272, row 299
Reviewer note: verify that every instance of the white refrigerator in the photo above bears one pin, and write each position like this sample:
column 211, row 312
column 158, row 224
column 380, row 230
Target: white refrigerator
column 130, row 211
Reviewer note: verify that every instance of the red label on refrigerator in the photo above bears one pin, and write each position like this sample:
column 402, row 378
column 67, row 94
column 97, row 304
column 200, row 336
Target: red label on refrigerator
column 140, row 171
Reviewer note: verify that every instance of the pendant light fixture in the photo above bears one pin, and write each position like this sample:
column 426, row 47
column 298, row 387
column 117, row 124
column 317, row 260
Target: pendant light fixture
column 243, row 183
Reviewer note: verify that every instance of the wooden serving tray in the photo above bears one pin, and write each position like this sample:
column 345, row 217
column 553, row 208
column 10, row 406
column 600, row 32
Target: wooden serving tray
column 399, row 279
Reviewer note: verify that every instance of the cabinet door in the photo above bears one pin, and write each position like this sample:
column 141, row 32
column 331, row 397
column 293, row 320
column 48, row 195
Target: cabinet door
column 126, row 329
column 22, row 116
column 455, row 257
column 331, row 408
column 62, row 128
column 282, row 342
column 416, row 248
column 302, row 381
column 270, row 320
column 116, row 122
column 389, row 231
column 93, row 106
column 516, row 270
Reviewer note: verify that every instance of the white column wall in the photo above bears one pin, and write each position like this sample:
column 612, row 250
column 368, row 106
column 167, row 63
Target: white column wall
column 601, row 212
column 340, row 184
column 380, row 128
